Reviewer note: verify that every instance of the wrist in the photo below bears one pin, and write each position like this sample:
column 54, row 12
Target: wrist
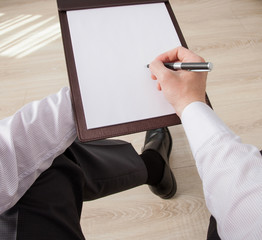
column 179, row 108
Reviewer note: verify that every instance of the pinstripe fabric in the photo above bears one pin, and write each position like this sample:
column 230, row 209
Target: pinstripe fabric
column 29, row 142
column 231, row 172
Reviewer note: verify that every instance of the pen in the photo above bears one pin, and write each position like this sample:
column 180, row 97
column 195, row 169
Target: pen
column 190, row 66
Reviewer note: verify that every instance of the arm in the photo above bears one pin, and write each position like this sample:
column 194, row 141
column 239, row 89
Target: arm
column 230, row 170
column 29, row 142
column 231, row 173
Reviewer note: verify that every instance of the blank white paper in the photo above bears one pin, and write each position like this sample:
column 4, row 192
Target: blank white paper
column 112, row 47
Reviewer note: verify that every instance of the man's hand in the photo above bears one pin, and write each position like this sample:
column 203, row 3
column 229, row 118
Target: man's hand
column 179, row 87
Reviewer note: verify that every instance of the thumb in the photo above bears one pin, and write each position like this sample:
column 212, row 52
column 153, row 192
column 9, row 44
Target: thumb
column 157, row 68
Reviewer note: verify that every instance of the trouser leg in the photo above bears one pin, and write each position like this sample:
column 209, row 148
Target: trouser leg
column 212, row 230
column 109, row 166
column 51, row 208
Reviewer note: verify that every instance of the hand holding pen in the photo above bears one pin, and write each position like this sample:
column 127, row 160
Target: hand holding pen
column 190, row 66
column 180, row 87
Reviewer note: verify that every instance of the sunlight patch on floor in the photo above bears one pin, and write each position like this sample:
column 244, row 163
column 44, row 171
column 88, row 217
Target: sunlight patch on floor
column 27, row 34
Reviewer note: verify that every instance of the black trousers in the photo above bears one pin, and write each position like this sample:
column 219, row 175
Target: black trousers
column 51, row 208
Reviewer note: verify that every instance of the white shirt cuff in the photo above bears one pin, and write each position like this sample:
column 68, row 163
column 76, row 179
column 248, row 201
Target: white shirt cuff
column 200, row 124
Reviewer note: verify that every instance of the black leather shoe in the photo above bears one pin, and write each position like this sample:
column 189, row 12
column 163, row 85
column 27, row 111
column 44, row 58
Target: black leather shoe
column 160, row 141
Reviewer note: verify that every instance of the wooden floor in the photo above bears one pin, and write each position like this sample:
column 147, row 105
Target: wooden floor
column 225, row 32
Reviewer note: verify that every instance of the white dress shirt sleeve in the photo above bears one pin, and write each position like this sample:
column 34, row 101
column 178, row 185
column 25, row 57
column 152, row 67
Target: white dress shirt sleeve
column 29, row 142
column 231, row 173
